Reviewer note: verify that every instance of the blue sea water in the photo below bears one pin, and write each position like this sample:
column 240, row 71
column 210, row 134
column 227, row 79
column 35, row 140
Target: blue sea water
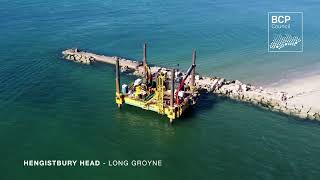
column 53, row 109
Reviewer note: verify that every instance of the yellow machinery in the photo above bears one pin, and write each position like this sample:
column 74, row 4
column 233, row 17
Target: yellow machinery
column 160, row 92
column 157, row 96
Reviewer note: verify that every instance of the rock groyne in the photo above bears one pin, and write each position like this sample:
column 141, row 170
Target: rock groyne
column 89, row 58
column 234, row 89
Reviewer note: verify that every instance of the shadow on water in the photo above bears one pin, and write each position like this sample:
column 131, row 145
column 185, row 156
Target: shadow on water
column 205, row 102
column 136, row 116
column 287, row 117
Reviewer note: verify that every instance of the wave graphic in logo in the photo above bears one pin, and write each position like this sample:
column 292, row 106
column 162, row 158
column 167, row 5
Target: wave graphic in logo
column 280, row 41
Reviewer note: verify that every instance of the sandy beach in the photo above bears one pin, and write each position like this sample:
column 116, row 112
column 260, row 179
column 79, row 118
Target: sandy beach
column 303, row 91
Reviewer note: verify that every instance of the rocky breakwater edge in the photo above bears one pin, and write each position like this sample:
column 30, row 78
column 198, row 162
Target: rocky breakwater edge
column 270, row 99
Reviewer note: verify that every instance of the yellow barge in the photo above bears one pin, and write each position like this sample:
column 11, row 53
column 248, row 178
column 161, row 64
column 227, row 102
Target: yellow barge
column 153, row 92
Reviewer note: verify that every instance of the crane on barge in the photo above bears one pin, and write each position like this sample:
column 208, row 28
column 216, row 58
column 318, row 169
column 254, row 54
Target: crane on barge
column 154, row 94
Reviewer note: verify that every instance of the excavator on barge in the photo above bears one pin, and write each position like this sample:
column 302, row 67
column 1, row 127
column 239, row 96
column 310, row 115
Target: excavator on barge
column 156, row 91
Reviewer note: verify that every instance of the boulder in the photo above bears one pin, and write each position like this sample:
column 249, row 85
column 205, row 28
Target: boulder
column 220, row 83
column 238, row 82
column 124, row 69
column 243, row 87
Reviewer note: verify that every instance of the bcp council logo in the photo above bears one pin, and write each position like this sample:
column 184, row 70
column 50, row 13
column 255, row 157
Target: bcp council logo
column 285, row 31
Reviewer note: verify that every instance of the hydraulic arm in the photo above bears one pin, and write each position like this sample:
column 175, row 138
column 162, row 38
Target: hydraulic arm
column 183, row 81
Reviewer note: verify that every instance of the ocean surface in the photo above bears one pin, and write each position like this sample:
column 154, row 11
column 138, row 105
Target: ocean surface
column 54, row 109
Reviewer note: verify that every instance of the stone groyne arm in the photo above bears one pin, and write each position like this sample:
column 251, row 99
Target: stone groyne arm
column 273, row 100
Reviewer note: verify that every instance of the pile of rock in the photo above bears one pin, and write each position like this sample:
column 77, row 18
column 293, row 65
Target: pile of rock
column 75, row 55
column 88, row 58
column 273, row 100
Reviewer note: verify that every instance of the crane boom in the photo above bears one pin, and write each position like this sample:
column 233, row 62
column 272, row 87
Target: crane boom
column 183, row 81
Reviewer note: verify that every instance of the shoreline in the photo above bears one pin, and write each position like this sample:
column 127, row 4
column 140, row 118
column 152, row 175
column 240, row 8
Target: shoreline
column 290, row 77
column 303, row 90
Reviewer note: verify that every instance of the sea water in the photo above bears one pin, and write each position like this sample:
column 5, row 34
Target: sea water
column 54, row 109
